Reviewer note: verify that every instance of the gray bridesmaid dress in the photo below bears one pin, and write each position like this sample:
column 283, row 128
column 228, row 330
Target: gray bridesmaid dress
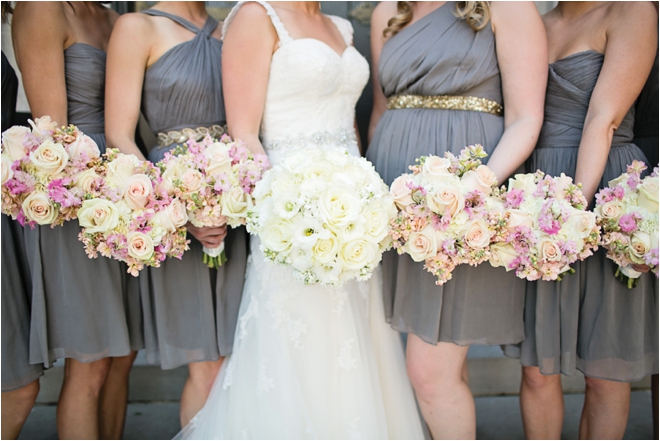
column 82, row 308
column 589, row 320
column 441, row 55
column 190, row 310
column 646, row 117
column 16, row 295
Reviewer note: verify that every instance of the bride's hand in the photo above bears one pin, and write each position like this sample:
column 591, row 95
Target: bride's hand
column 210, row 237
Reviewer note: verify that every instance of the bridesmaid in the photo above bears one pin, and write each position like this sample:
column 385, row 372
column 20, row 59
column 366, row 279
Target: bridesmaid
column 20, row 379
column 82, row 309
column 166, row 62
column 601, row 54
column 494, row 53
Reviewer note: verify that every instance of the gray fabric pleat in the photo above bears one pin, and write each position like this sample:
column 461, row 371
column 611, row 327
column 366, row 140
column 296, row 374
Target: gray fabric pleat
column 441, row 55
column 589, row 320
column 190, row 310
column 82, row 308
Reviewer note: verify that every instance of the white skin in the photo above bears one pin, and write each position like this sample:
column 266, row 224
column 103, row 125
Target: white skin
column 138, row 42
column 627, row 34
column 92, row 401
column 248, row 48
column 437, row 371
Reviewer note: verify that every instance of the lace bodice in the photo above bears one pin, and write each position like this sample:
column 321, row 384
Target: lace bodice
column 312, row 90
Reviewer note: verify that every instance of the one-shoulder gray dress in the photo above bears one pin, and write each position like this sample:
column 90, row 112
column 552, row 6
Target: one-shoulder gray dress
column 441, row 55
column 82, row 308
column 589, row 320
column 16, row 294
column 190, row 310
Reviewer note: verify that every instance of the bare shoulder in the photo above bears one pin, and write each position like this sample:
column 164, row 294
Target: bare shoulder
column 134, row 24
column 253, row 16
column 631, row 14
column 513, row 12
column 252, row 11
column 40, row 12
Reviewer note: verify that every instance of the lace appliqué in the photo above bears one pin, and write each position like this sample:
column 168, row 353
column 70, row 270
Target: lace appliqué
column 229, row 375
column 345, row 360
column 295, row 328
column 264, row 382
column 339, row 297
column 251, row 311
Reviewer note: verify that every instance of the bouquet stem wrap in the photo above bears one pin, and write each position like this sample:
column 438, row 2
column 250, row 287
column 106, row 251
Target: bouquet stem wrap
column 215, row 257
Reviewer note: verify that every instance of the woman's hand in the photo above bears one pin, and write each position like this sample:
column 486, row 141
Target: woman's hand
column 641, row 268
column 210, row 237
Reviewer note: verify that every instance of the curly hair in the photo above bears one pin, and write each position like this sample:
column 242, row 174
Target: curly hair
column 476, row 14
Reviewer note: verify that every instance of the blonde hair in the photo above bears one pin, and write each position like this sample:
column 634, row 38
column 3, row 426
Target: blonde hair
column 476, row 14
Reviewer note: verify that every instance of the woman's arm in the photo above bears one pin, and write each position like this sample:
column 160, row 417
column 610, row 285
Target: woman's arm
column 39, row 33
column 381, row 15
column 629, row 54
column 128, row 52
column 246, row 55
column 522, row 53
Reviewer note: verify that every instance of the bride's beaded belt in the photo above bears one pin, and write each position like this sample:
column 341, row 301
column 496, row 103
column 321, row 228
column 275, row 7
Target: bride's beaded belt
column 181, row 136
column 342, row 137
column 446, row 102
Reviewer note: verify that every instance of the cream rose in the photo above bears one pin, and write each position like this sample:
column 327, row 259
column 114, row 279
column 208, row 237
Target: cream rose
column 622, row 179
column 640, row 244
column 422, row 245
column 43, row 126
column 446, row 200
column 325, row 249
column 276, row 234
column 85, row 180
column 12, row 142
column 98, row 215
column 435, row 167
column 49, row 158
column 219, row 160
column 138, row 189
column 338, row 206
column 518, row 218
column 477, row 234
column 173, row 216
column 121, row 169
column 38, row 208
column 191, row 181
column 562, row 182
column 376, row 221
column 481, row 179
column 502, row 254
column 401, row 192
column 523, row 182
column 235, row 204
column 356, row 254
column 611, row 210
column 173, row 172
column 140, row 245
column 648, row 194
column 579, row 225
column 83, row 144
column 549, row 250
column 7, row 171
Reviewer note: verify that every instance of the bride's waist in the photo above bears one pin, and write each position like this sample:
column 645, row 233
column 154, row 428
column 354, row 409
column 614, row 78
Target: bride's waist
column 340, row 137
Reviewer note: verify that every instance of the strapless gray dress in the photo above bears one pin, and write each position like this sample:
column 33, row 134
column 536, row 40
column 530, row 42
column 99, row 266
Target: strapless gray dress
column 441, row 55
column 589, row 320
column 82, row 308
column 16, row 294
column 190, row 310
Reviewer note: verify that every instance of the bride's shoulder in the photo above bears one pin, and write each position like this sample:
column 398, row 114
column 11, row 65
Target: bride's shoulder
column 252, row 14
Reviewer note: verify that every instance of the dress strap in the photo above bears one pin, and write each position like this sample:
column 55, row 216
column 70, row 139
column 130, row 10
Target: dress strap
column 345, row 28
column 179, row 20
column 282, row 33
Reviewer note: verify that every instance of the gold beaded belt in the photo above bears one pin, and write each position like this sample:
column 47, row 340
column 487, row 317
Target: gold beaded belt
column 446, row 102
column 181, row 136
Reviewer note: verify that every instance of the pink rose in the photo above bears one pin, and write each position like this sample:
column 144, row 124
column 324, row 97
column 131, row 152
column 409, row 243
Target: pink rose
column 549, row 250
column 173, row 217
column 422, row 245
column 477, row 234
column 435, row 167
column 83, row 144
column 446, row 201
column 481, row 179
column 191, row 180
column 140, row 245
column 138, row 189
column 401, row 192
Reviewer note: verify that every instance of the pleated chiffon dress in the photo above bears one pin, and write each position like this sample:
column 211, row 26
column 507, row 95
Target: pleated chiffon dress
column 190, row 310
column 82, row 308
column 589, row 321
column 441, row 55
column 16, row 287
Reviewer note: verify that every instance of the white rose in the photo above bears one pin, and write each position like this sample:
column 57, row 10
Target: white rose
column 611, row 210
column 98, row 215
column 579, row 225
column 477, row 234
column 339, row 206
column 49, row 158
column 358, row 253
column 619, row 180
column 446, row 200
column 86, row 180
column 121, row 169
column 435, row 167
column 640, row 244
column 138, row 189
column 83, row 144
column 648, row 194
column 502, row 254
column 235, row 203
column 173, row 171
column 140, row 245
column 401, row 192
column 12, row 142
column 523, row 182
column 276, row 234
column 7, row 171
column 283, row 183
column 173, row 216
column 43, row 126
column 219, row 160
column 482, row 179
column 325, row 250
column 377, row 220
column 312, row 187
column 422, row 245
column 38, row 208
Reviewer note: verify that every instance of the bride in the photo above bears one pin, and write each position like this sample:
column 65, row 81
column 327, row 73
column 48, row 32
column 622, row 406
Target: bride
column 308, row 361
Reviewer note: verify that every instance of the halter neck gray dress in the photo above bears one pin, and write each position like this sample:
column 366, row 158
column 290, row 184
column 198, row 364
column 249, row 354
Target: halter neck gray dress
column 441, row 55
column 589, row 320
column 16, row 289
column 190, row 310
column 82, row 308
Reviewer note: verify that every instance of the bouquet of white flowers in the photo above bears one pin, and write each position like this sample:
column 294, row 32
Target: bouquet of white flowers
column 325, row 213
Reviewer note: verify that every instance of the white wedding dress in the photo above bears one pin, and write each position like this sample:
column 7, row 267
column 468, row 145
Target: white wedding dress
column 310, row 362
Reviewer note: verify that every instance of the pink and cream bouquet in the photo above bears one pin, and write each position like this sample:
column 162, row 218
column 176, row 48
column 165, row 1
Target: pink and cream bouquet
column 128, row 215
column 542, row 227
column 443, row 209
column 214, row 180
column 627, row 211
column 41, row 171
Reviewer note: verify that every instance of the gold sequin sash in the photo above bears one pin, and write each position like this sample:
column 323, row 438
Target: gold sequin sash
column 446, row 102
column 181, row 136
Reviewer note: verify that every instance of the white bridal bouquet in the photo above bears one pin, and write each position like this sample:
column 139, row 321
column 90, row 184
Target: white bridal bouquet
column 324, row 213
